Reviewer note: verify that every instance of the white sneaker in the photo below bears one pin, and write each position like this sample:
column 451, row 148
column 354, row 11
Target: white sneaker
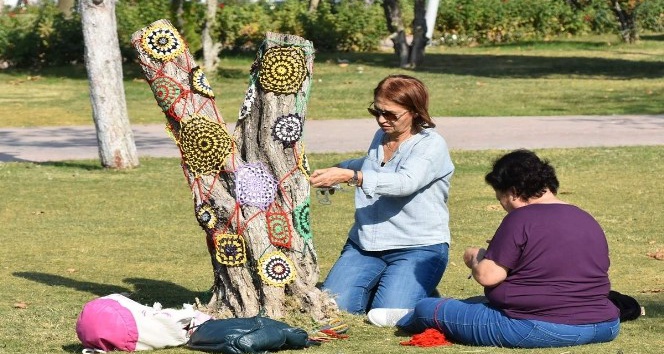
column 383, row 317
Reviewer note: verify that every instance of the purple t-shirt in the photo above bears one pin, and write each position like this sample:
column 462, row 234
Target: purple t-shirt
column 558, row 261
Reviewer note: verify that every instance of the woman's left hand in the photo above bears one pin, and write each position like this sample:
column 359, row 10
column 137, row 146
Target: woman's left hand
column 328, row 177
column 473, row 255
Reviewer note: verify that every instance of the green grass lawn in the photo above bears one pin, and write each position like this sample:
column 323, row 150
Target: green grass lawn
column 588, row 75
column 72, row 231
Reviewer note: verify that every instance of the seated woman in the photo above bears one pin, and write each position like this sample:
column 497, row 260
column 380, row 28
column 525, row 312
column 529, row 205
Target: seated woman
column 545, row 272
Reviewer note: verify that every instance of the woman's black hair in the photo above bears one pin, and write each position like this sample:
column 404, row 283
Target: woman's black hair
column 523, row 171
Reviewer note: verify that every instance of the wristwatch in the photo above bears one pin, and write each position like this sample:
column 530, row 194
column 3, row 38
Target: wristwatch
column 354, row 181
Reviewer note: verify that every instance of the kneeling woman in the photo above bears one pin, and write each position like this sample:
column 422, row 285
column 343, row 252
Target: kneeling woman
column 545, row 271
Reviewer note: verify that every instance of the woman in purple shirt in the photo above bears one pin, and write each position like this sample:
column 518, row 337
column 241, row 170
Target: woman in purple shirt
column 545, row 271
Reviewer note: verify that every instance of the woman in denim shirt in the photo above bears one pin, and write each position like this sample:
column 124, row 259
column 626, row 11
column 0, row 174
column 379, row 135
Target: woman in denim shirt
column 397, row 249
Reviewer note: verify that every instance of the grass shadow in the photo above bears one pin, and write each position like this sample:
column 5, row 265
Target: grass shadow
column 482, row 65
column 145, row 291
column 654, row 37
column 515, row 66
column 653, row 309
column 81, row 165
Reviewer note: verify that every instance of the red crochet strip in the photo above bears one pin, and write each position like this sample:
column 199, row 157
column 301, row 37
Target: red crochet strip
column 429, row 338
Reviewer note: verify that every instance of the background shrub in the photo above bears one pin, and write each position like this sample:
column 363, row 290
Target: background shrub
column 36, row 36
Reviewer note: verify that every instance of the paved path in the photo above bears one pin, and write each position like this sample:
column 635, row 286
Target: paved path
column 468, row 133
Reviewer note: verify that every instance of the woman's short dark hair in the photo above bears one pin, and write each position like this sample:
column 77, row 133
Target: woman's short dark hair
column 522, row 170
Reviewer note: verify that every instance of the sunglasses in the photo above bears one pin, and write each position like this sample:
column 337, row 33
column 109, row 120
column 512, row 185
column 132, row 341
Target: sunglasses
column 391, row 116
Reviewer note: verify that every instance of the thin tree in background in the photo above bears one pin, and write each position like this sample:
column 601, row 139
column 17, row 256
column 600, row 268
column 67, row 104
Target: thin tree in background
column 211, row 47
column 625, row 12
column 410, row 55
column 104, row 67
column 66, row 7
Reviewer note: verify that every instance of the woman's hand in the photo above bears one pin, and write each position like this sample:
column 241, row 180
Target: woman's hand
column 473, row 255
column 328, row 177
column 485, row 271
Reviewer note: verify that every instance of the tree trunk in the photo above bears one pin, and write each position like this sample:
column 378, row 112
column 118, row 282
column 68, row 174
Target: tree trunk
column 66, row 6
column 103, row 63
column 177, row 10
column 313, row 5
column 250, row 191
column 2, row 6
column 398, row 34
column 419, row 35
column 410, row 55
column 210, row 46
column 627, row 21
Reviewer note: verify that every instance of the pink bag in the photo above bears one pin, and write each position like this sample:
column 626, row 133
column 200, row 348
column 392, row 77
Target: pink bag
column 115, row 322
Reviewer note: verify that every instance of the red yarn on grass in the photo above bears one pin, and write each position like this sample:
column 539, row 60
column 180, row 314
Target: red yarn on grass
column 429, row 338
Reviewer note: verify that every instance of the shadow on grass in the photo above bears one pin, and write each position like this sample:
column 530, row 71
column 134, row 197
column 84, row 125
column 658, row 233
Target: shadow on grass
column 522, row 66
column 653, row 309
column 145, row 291
column 82, row 165
column 481, row 65
column 654, row 37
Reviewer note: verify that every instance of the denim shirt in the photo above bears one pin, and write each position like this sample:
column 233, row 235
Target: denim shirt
column 404, row 203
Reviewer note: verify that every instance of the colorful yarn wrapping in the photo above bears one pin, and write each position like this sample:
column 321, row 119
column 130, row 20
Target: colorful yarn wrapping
column 206, row 216
column 249, row 97
column 431, row 337
column 162, row 42
column 276, row 269
column 287, row 129
column 255, row 185
column 303, row 164
column 205, row 144
column 199, row 82
column 230, row 249
column 283, row 70
column 166, row 92
column 302, row 220
column 278, row 229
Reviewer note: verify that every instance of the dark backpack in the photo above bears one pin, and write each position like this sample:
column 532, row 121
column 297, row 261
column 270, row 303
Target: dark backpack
column 628, row 306
column 247, row 335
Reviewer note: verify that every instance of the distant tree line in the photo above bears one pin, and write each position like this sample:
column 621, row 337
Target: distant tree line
column 49, row 33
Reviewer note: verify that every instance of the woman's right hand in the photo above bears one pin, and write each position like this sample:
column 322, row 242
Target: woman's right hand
column 328, row 177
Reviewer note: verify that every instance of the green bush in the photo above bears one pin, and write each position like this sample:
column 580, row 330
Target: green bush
column 495, row 21
column 132, row 15
column 333, row 27
column 337, row 27
column 40, row 36
column 650, row 16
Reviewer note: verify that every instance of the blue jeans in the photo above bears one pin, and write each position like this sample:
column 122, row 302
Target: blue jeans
column 479, row 324
column 361, row 280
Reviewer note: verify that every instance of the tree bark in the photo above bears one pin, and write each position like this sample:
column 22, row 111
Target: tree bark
column 627, row 21
column 242, row 286
column 210, row 46
column 103, row 63
column 313, row 5
column 177, row 10
column 410, row 55
column 66, row 6
column 398, row 34
column 419, row 35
